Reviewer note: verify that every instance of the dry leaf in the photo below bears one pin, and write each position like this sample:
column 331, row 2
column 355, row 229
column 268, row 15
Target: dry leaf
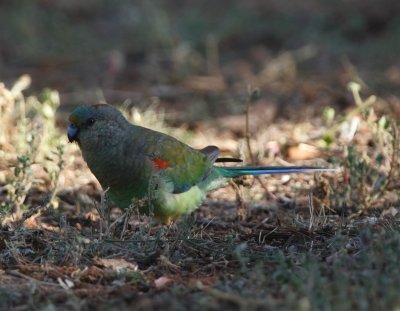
column 391, row 211
column 66, row 284
column 303, row 152
column 116, row 264
column 162, row 281
column 206, row 83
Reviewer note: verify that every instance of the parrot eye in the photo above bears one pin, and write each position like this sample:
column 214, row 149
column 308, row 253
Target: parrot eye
column 90, row 121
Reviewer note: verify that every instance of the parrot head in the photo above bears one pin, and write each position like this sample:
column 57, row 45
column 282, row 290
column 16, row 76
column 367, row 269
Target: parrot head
column 90, row 124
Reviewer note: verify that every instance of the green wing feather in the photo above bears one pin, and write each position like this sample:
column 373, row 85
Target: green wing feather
column 187, row 166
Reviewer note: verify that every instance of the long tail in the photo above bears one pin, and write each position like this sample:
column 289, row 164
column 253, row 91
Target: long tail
column 236, row 171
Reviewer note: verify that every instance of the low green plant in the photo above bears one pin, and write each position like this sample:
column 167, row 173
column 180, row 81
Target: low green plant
column 29, row 142
column 370, row 152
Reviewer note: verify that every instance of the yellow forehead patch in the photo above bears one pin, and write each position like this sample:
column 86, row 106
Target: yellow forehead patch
column 73, row 118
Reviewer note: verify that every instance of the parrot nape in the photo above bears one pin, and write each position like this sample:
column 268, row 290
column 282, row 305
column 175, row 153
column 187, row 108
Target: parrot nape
column 138, row 164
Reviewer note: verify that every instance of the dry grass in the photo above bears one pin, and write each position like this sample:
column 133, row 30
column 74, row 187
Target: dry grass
column 325, row 242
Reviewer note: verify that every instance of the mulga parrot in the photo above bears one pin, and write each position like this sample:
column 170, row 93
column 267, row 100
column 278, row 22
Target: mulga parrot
column 136, row 164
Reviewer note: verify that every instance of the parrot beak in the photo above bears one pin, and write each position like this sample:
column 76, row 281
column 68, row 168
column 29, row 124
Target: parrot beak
column 72, row 132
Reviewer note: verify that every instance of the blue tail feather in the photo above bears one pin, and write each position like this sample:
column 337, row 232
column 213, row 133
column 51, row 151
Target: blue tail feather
column 236, row 171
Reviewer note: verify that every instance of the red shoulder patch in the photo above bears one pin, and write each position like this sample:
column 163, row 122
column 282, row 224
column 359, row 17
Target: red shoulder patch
column 160, row 164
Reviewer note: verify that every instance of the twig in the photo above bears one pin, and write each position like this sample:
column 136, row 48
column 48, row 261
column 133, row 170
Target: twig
column 104, row 212
column 37, row 210
column 393, row 162
column 242, row 212
column 360, row 106
column 233, row 298
column 311, row 208
column 26, row 277
column 253, row 95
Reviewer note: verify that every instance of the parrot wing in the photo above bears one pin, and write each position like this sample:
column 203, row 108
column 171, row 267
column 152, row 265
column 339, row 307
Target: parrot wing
column 177, row 162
